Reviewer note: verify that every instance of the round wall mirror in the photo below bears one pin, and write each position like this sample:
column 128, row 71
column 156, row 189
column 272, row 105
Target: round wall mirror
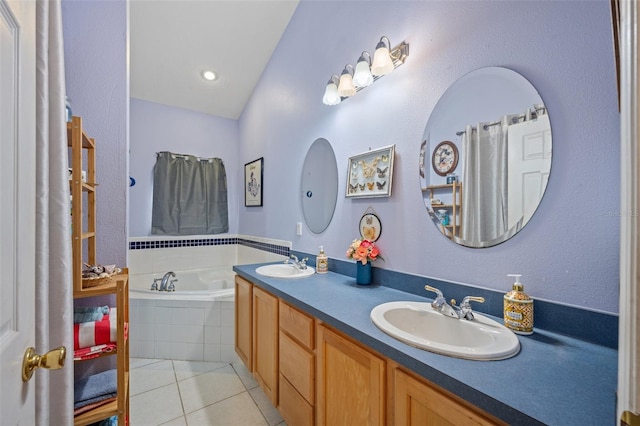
column 485, row 157
column 319, row 185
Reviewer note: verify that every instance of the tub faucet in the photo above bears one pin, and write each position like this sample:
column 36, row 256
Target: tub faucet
column 154, row 286
column 165, row 280
column 463, row 312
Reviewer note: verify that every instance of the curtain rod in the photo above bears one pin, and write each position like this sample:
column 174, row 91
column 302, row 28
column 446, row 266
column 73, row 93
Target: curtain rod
column 537, row 110
column 185, row 156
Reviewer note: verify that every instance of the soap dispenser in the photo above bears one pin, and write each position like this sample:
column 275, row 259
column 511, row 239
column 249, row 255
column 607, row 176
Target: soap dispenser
column 518, row 308
column 322, row 262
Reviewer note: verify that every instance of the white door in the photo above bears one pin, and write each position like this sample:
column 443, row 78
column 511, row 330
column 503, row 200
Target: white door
column 529, row 167
column 17, row 207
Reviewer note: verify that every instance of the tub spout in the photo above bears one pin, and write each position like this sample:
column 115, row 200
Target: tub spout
column 165, row 280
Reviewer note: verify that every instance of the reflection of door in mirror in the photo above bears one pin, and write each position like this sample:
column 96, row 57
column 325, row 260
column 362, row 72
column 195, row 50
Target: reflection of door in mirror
column 529, row 166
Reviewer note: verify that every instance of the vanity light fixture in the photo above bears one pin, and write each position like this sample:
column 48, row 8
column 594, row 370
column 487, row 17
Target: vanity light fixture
column 331, row 96
column 362, row 76
column 346, row 87
column 351, row 81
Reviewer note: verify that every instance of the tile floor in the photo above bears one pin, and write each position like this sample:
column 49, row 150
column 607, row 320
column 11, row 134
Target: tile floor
column 194, row 393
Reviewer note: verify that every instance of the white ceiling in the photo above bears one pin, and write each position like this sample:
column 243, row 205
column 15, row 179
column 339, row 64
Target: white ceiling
column 173, row 41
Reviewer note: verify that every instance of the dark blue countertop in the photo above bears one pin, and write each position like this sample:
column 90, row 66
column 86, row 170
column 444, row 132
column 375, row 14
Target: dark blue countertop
column 554, row 380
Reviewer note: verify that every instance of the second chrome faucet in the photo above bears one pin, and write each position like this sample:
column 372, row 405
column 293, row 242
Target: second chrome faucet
column 464, row 311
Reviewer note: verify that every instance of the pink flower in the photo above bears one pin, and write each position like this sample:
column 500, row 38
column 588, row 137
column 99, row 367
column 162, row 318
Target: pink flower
column 363, row 251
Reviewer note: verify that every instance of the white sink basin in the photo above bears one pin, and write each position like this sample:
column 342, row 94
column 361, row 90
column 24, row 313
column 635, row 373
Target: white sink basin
column 283, row 270
column 419, row 325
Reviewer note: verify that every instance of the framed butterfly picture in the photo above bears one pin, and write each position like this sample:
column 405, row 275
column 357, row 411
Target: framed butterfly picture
column 370, row 174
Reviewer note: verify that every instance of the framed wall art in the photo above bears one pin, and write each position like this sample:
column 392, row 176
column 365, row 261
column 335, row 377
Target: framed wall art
column 253, row 172
column 370, row 226
column 370, row 174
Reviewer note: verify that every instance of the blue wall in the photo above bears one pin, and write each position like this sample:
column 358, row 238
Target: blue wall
column 568, row 252
column 156, row 127
column 97, row 78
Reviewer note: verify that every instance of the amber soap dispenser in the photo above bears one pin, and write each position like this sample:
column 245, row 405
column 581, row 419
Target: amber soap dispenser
column 518, row 308
column 322, row 262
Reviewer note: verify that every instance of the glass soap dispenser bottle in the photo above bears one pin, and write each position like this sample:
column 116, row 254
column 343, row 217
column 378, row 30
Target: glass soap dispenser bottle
column 518, row 308
column 322, row 262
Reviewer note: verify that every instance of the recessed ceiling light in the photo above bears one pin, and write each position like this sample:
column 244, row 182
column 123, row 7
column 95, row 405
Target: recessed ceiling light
column 209, row 75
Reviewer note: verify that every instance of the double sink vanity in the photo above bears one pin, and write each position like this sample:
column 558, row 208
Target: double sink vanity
column 327, row 351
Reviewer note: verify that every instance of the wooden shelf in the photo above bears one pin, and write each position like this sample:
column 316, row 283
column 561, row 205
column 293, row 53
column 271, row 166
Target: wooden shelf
column 455, row 217
column 83, row 241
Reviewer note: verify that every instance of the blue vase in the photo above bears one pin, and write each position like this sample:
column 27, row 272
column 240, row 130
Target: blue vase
column 363, row 273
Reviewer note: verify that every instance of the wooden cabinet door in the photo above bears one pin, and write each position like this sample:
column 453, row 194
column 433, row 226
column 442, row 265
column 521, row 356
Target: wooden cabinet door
column 243, row 317
column 350, row 382
column 418, row 403
column 265, row 342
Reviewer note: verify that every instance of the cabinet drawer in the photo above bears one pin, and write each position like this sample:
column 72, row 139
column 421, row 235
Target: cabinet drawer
column 293, row 407
column 300, row 326
column 297, row 366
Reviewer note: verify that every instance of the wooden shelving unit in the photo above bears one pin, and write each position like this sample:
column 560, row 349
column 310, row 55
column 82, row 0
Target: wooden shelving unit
column 83, row 199
column 83, row 221
column 454, row 208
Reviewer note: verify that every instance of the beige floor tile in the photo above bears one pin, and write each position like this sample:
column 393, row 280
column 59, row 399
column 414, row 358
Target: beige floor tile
column 151, row 376
column 180, row 421
column 265, row 406
column 245, row 375
column 238, row 410
column 187, row 369
column 140, row 362
column 156, row 406
column 207, row 388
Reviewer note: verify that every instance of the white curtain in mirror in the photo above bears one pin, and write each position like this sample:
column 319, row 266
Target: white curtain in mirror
column 484, row 195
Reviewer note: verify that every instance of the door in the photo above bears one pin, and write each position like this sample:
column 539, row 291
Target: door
column 628, row 395
column 265, row 343
column 17, row 208
column 350, row 382
column 529, row 167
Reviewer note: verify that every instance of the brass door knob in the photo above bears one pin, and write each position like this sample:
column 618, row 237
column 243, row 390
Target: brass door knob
column 53, row 360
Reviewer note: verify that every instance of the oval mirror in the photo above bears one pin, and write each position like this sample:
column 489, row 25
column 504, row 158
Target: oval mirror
column 485, row 157
column 319, row 185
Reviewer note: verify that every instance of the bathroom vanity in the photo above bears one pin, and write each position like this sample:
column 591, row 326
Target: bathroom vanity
column 320, row 359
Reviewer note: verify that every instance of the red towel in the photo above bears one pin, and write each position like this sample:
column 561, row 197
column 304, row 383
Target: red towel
column 88, row 334
column 93, row 352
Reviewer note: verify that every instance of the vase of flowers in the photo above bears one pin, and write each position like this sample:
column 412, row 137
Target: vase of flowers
column 364, row 252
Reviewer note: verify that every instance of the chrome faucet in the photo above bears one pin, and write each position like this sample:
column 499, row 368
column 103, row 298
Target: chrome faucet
column 154, row 286
column 465, row 307
column 300, row 264
column 164, row 283
column 463, row 312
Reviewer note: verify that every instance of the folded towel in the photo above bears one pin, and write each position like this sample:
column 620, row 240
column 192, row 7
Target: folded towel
column 87, row 334
column 98, row 400
column 95, row 388
column 89, row 407
column 88, row 314
column 93, row 351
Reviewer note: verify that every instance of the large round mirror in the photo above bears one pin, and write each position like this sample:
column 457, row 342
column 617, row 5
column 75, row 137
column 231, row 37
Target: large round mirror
column 319, row 185
column 485, row 157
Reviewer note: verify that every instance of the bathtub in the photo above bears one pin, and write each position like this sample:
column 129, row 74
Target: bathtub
column 195, row 322
column 199, row 284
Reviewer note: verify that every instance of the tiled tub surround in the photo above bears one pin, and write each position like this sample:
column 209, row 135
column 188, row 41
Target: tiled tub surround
column 555, row 379
column 174, row 327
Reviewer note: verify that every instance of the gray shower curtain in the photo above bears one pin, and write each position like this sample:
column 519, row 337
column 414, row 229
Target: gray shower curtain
column 189, row 195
